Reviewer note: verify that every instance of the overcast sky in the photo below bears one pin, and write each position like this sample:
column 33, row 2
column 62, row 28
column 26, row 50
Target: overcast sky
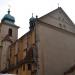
column 22, row 10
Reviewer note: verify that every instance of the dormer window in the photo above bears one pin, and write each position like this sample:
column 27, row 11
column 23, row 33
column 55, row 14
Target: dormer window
column 10, row 32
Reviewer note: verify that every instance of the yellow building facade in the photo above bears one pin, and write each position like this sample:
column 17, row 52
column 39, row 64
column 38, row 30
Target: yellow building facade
column 20, row 58
column 21, row 55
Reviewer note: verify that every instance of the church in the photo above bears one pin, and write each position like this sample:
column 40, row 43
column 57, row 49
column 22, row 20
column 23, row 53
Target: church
column 48, row 48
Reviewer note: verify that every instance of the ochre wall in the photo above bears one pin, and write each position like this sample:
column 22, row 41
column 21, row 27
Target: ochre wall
column 19, row 49
column 56, row 50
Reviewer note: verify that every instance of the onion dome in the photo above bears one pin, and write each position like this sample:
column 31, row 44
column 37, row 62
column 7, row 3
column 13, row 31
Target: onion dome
column 8, row 18
column 32, row 19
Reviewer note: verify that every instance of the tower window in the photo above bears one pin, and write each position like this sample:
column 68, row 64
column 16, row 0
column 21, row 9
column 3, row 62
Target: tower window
column 10, row 32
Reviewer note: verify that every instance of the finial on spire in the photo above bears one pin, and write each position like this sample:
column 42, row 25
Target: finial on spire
column 32, row 14
column 8, row 11
column 58, row 5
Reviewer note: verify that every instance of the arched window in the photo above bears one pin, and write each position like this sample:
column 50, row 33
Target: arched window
column 10, row 32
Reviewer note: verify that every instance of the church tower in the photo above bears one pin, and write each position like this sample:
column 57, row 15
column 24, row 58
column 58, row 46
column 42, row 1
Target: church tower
column 8, row 35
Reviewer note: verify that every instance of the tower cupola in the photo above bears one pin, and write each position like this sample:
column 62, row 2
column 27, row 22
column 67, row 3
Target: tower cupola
column 8, row 18
column 32, row 21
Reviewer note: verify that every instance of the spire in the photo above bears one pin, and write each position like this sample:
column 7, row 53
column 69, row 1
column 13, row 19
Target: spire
column 8, row 11
column 8, row 18
column 9, row 6
column 58, row 5
column 32, row 14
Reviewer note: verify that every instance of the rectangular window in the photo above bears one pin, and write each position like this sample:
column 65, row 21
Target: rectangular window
column 23, row 67
column 29, row 66
column 16, row 59
column 24, row 53
column 17, row 71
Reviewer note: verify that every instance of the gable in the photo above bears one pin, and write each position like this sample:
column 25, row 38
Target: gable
column 58, row 18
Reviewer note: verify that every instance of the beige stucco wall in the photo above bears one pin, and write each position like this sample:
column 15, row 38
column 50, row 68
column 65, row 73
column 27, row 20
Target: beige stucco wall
column 4, row 31
column 4, row 54
column 58, row 17
column 72, row 73
column 56, row 50
column 0, row 54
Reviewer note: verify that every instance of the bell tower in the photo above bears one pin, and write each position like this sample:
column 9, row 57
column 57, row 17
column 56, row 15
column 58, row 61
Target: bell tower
column 8, row 35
